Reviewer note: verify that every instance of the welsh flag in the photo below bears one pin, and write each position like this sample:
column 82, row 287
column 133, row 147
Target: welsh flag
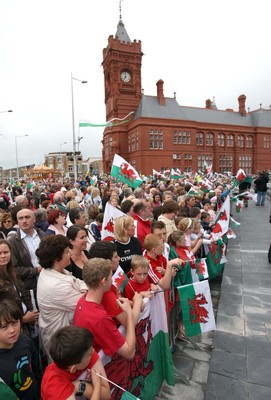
column 193, row 192
column 175, row 174
column 221, row 225
column 239, row 206
column 122, row 170
column 143, row 376
column 215, row 258
column 205, row 185
column 207, row 169
column 240, row 177
column 231, row 234
column 235, row 223
column 201, row 268
column 111, row 213
column 119, row 279
column 158, row 175
column 128, row 396
column 197, row 308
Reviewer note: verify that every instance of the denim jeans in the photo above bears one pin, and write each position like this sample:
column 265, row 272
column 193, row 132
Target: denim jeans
column 261, row 198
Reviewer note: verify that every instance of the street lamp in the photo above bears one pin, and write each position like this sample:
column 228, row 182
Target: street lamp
column 6, row 111
column 73, row 128
column 16, row 150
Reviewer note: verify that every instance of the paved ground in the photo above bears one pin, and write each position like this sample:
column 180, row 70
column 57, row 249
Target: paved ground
column 234, row 362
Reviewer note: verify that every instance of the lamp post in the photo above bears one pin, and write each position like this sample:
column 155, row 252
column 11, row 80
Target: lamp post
column 73, row 128
column 16, row 151
column 6, row 111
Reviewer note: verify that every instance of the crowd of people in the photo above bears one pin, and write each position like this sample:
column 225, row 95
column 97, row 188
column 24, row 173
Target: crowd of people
column 58, row 304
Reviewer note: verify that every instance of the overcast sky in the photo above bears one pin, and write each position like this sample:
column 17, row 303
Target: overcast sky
column 199, row 48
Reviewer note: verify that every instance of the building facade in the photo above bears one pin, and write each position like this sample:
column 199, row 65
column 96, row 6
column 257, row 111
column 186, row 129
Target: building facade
column 164, row 135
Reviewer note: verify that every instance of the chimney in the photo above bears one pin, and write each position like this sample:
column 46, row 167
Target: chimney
column 242, row 105
column 208, row 104
column 160, row 92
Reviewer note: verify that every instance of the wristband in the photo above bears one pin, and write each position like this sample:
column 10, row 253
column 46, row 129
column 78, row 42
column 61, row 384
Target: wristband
column 81, row 388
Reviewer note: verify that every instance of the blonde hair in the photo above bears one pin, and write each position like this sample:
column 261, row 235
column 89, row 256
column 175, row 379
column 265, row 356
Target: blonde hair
column 121, row 225
column 72, row 204
column 95, row 192
column 184, row 224
column 139, row 261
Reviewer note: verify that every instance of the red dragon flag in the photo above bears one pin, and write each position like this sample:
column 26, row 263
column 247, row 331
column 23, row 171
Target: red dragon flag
column 122, row 170
column 240, row 177
column 197, row 308
column 111, row 213
column 222, row 221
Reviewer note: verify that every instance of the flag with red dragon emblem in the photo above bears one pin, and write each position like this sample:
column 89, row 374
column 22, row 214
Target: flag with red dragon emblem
column 197, row 308
column 111, row 213
column 152, row 363
column 122, row 170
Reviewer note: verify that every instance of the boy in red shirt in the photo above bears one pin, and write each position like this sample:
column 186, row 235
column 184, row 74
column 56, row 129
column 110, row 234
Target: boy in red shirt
column 161, row 270
column 139, row 281
column 75, row 366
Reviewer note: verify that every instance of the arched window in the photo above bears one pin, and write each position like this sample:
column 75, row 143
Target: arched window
column 199, row 138
column 209, row 139
column 249, row 141
column 240, row 140
column 221, row 140
column 230, row 140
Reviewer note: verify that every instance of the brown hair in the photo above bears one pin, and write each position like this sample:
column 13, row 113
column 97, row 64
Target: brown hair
column 95, row 270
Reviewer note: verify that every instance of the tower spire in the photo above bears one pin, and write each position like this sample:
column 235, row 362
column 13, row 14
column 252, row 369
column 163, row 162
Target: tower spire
column 120, row 8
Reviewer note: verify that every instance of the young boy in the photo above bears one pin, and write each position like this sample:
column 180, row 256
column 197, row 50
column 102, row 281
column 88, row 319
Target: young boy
column 205, row 222
column 159, row 228
column 108, row 250
column 161, row 270
column 91, row 314
column 19, row 360
column 139, row 281
column 69, row 375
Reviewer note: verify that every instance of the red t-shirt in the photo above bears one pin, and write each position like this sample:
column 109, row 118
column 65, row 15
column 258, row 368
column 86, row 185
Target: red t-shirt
column 109, row 302
column 57, row 383
column 94, row 317
column 159, row 261
column 133, row 286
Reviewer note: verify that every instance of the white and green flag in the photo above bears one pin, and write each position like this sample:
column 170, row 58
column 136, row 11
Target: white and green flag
column 197, row 308
column 111, row 213
column 122, row 170
column 175, row 174
column 152, row 364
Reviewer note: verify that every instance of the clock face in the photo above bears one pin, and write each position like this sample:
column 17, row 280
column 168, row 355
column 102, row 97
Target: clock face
column 125, row 76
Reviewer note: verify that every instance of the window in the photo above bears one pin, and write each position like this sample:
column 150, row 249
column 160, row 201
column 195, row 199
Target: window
column 187, row 169
column 204, row 159
column 181, row 137
column 245, row 162
column 225, row 163
column 199, row 138
column 221, row 140
column 249, row 141
column 133, row 141
column 240, row 141
column 188, row 157
column 266, row 142
column 156, row 139
column 209, row 139
column 230, row 140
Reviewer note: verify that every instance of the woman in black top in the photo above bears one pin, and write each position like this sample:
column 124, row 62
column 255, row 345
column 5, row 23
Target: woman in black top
column 127, row 245
column 78, row 249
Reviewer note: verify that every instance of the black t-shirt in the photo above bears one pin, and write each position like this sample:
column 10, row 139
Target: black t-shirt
column 127, row 251
column 19, row 369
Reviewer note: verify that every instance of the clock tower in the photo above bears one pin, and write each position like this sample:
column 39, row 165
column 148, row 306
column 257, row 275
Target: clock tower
column 122, row 85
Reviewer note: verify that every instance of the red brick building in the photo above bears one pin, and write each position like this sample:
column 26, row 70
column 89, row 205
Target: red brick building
column 163, row 134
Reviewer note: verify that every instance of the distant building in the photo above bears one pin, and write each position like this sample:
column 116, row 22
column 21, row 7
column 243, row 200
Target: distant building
column 163, row 134
column 64, row 162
